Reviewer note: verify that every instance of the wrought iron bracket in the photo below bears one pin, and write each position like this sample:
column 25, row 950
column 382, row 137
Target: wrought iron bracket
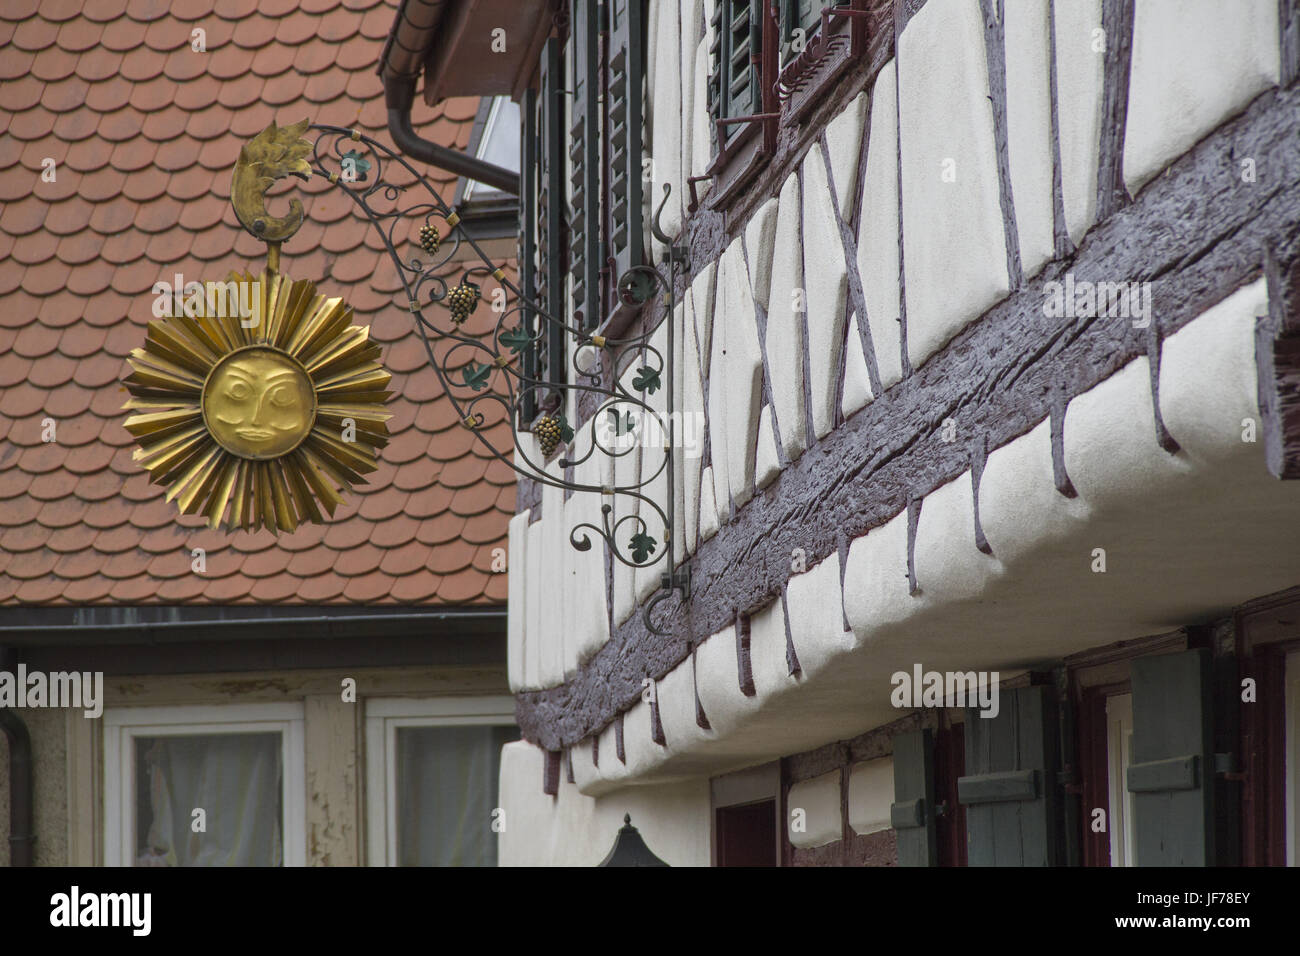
column 678, row 580
column 486, row 376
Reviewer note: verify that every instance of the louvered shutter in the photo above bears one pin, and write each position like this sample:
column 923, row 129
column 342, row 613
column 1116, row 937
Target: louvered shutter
column 912, row 813
column 528, row 219
column 733, row 79
column 717, row 67
column 797, row 15
column 626, row 71
column 1172, row 773
column 742, row 39
column 1010, row 792
column 584, row 162
column 551, row 208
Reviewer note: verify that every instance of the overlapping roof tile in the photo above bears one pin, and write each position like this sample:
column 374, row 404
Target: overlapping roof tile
column 143, row 132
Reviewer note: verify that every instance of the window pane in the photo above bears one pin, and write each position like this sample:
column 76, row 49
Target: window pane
column 446, row 791
column 499, row 145
column 235, row 779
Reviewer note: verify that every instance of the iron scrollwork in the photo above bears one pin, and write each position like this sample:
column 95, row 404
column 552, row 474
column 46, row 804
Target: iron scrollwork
column 489, row 382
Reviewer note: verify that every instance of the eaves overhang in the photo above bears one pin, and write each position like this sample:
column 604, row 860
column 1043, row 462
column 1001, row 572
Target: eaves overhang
column 468, row 47
column 156, row 624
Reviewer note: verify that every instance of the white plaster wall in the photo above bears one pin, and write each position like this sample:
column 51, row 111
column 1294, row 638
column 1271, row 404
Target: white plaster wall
column 516, row 607
column 735, row 382
column 1187, row 537
column 784, row 338
column 654, row 474
column 533, row 591
column 693, row 407
column 954, row 245
column 819, row 799
column 627, row 473
column 1195, row 63
column 844, row 146
column 552, row 566
column 666, row 111
column 871, row 794
column 1080, row 62
column 826, row 286
column 878, row 228
column 586, row 615
column 570, row 829
column 857, row 381
column 760, row 246
column 1029, row 128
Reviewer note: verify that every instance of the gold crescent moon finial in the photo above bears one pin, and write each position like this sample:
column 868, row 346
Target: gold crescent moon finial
column 268, row 156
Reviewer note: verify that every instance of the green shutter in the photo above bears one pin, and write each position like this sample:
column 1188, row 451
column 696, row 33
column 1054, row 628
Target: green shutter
column 733, row 79
column 528, row 240
column 717, row 68
column 551, row 208
column 912, row 813
column 584, row 162
column 741, row 31
column 1172, row 774
column 626, row 72
column 1010, row 791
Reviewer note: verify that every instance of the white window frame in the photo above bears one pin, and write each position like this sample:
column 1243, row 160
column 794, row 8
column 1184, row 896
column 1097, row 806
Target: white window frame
column 123, row 725
column 384, row 717
column 498, row 106
column 1292, row 762
column 1120, row 824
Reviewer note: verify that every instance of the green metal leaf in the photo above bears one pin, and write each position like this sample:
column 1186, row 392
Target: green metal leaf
column 647, row 380
column 359, row 163
column 516, row 339
column 566, row 432
column 476, row 376
column 642, row 546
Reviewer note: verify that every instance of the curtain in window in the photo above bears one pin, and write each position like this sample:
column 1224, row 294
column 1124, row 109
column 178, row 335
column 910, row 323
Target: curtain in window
column 236, row 779
column 446, row 792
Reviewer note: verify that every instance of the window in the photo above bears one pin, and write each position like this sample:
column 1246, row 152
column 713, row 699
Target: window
column 581, row 216
column 746, row 817
column 1119, row 754
column 797, row 15
column 495, row 139
column 735, row 74
column 490, row 216
column 432, row 775
column 204, row 786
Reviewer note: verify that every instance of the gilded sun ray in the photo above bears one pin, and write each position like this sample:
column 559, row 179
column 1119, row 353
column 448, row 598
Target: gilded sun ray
column 258, row 404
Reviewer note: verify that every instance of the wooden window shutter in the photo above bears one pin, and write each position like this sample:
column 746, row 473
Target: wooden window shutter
column 626, row 71
column 528, row 219
column 1010, row 792
column 717, row 69
column 1172, row 773
column 551, row 207
column 584, row 163
column 912, row 813
column 733, row 78
column 742, row 38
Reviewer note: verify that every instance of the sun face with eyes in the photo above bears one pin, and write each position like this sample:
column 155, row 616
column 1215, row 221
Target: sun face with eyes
column 260, row 425
column 258, row 403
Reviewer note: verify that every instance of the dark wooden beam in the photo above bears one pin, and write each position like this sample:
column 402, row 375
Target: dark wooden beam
column 1197, row 233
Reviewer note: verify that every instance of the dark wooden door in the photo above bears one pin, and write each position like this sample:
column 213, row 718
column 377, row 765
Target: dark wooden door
column 746, row 835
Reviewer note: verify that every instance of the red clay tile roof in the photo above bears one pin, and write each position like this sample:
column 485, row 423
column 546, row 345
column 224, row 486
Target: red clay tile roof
column 145, row 133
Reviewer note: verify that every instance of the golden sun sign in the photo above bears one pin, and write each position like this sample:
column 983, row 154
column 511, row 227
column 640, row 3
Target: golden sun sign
column 264, row 409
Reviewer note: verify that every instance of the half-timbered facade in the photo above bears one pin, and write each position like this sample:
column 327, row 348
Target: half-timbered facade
column 985, row 373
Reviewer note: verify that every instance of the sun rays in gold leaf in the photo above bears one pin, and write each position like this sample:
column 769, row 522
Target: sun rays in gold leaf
column 265, row 421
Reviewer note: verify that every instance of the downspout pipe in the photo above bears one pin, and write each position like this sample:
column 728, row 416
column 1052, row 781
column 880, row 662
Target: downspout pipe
column 22, row 831
column 399, row 95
